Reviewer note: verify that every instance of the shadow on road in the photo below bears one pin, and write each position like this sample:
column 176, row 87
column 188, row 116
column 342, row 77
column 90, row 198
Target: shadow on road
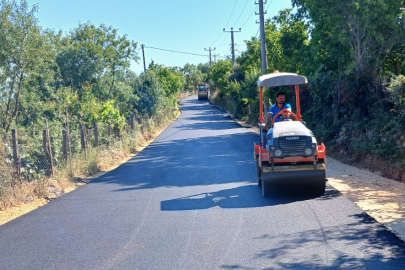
column 196, row 105
column 247, row 196
column 208, row 117
column 210, row 123
column 188, row 162
column 346, row 242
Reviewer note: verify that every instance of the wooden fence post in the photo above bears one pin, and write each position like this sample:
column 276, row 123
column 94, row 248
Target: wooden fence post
column 48, row 150
column 45, row 148
column 16, row 156
column 83, row 138
column 109, row 129
column 95, row 132
column 83, row 135
column 133, row 123
column 128, row 126
column 68, row 144
column 64, row 145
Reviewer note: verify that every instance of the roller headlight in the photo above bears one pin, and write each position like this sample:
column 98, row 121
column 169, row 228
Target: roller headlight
column 314, row 145
column 277, row 153
column 308, row 152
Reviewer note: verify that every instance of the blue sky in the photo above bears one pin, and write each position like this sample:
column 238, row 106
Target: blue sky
column 181, row 25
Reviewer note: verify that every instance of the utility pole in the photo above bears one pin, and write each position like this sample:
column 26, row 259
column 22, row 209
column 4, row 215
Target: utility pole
column 262, row 36
column 210, row 53
column 215, row 58
column 143, row 54
column 233, row 43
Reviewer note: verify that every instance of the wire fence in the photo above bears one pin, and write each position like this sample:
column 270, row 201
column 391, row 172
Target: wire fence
column 36, row 153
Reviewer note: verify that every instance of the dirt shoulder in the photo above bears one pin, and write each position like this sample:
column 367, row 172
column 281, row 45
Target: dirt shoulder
column 380, row 197
column 54, row 191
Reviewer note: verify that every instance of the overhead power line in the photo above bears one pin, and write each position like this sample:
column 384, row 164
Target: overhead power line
column 251, row 14
column 241, row 13
column 160, row 49
column 269, row 5
column 216, row 39
column 231, row 13
column 257, row 33
column 226, row 24
column 174, row 51
column 222, row 44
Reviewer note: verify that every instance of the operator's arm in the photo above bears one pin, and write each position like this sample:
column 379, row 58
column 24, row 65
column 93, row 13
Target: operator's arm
column 268, row 120
column 288, row 109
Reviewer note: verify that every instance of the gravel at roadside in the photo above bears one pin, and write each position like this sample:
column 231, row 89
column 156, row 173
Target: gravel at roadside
column 380, row 197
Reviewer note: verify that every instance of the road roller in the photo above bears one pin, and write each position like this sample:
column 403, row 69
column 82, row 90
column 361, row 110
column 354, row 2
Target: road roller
column 288, row 156
column 202, row 91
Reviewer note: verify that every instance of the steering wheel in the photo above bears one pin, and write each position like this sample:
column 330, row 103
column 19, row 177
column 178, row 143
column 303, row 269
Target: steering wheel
column 284, row 113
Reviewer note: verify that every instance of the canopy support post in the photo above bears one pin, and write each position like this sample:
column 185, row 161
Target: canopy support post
column 297, row 98
column 261, row 106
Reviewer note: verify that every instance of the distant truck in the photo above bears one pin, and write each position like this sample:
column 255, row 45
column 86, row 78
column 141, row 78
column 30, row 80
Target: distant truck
column 202, row 91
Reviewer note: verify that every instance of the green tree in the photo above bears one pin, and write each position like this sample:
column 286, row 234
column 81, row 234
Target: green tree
column 193, row 76
column 220, row 72
column 95, row 56
column 205, row 71
column 148, row 96
column 251, row 58
column 108, row 113
column 354, row 42
column 369, row 29
column 23, row 49
column 171, row 80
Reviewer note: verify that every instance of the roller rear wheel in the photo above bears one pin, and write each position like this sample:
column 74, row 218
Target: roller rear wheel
column 259, row 173
column 266, row 188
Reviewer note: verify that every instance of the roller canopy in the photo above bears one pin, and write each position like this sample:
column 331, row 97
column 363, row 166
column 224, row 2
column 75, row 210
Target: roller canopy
column 280, row 79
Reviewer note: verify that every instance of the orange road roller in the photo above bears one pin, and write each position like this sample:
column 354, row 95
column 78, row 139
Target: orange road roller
column 289, row 155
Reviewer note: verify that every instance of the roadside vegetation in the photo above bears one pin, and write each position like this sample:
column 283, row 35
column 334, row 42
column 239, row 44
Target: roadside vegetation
column 80, row 82
column 353, row 53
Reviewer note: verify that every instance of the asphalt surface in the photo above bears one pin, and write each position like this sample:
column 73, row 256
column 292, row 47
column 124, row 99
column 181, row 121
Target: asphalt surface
column 190, row 201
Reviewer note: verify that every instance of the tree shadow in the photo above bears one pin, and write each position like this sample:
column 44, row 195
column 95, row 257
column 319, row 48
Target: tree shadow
column 188, row 162
column 191, row 104
column 397, row 225
column 213, row 125
column 362, row 244
column 214, row 151
column 210, row 117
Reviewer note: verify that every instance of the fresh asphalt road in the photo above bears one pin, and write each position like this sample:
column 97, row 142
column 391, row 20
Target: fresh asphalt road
column 190, row 201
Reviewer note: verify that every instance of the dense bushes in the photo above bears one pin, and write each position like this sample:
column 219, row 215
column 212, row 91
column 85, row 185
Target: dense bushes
column 353, row 101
